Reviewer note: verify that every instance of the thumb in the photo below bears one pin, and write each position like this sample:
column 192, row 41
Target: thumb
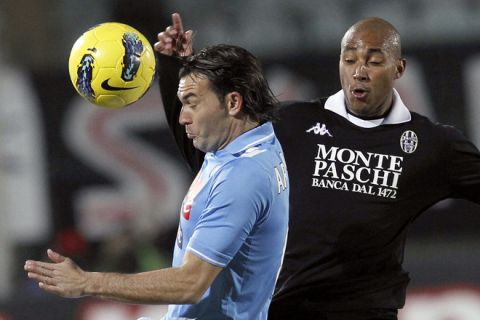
column 55, row 256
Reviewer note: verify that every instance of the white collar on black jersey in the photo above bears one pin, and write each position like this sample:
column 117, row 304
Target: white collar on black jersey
column 398, row 114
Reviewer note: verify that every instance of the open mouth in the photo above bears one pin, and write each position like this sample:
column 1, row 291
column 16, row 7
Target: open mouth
column 359, row 93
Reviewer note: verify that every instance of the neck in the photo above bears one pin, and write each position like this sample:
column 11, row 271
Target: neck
column 237, row 128
column 369, row 117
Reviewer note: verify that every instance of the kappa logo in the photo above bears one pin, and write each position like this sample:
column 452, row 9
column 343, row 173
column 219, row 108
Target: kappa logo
column 321, row 129
column 409, row 141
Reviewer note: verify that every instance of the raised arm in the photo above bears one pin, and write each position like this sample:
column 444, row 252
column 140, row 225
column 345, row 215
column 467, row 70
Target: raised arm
column 174, row 41
column 174, row 44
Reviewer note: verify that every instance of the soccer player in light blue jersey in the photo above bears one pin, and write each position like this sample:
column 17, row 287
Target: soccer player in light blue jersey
column 233, row 220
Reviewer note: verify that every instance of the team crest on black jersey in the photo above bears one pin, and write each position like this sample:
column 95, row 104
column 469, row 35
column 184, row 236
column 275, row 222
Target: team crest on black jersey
column 409, row 141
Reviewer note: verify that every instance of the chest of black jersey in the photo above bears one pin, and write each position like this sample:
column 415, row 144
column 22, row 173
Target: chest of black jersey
column 377, row 163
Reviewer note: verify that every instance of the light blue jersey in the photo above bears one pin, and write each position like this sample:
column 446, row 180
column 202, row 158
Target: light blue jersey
column 235, row 216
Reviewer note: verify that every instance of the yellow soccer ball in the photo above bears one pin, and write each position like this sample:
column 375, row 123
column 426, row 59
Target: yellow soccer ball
column 112, row 65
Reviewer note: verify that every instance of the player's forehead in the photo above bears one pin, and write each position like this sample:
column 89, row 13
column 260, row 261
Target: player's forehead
column 367, row 40
column 192, row 85
column 373, row 32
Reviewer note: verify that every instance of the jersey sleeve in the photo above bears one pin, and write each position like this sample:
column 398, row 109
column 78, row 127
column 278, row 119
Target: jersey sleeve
column 238, row 200
column 463, row 165
column 168, row 68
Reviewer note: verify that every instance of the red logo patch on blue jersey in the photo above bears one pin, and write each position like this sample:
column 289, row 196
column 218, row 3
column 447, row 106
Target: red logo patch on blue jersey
column 186, row 209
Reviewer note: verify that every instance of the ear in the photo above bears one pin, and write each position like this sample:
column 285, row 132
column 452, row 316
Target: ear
column 401, row 65
column 234, row 102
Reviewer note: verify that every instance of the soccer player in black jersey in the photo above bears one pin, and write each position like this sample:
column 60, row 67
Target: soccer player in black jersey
column 362, row 167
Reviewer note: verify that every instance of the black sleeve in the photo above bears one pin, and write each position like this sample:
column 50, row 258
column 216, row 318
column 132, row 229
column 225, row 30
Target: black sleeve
column 167, row 70
column 463, row 165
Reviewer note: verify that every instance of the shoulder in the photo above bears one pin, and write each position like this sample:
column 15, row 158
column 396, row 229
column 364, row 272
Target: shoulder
column 287, row 106
column 249, row 168
column 243, row 179
column 293, row 113
column 446, row 139
column 446, row 131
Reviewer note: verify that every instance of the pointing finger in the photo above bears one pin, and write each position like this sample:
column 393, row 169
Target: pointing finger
column 177, row 22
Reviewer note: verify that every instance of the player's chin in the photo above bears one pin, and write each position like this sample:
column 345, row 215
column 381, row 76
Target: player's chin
column 198, row 145
column 203, row 145
column 358, row 106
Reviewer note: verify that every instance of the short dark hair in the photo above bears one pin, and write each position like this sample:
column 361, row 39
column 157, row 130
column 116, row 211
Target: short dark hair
column 232, row 68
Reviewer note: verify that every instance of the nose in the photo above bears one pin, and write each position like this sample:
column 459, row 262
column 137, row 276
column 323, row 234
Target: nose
column 360, row 73
column 184, row 118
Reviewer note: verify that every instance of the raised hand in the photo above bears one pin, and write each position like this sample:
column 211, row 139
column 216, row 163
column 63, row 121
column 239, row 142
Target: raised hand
column 174, row 41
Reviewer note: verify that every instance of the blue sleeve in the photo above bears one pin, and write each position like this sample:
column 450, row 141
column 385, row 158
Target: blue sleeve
column 238, row 199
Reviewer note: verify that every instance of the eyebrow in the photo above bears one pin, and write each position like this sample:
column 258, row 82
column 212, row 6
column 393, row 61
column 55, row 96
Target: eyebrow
column 375, row 50
column 369, row 51
column 187, row 96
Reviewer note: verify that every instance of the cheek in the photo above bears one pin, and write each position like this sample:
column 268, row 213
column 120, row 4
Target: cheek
column 346, row 73
column 342, row 81
column 384, row 81
column 342, row 71
column 209, row 123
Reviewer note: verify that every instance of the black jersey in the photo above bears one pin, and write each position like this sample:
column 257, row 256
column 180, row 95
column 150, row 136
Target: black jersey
column 353, row 193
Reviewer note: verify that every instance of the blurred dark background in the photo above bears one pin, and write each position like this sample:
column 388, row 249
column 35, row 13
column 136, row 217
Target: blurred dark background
column 68, row 186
